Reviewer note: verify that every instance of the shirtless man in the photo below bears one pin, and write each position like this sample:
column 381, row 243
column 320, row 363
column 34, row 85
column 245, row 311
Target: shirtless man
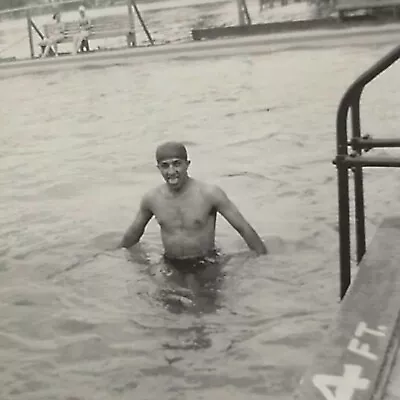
column 186, row 210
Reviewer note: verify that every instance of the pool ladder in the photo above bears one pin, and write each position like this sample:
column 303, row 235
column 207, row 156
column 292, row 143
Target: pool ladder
column 356, row 160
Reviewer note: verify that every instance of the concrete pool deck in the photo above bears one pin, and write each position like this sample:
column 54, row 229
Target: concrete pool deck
column 355, row 360
column 393, row 387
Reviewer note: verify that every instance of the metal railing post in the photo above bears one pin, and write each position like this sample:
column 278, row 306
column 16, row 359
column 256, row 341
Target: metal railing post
column 240, row 12
column 132, row 34
column 358, row 183
column 29, row 26
column 343, row 201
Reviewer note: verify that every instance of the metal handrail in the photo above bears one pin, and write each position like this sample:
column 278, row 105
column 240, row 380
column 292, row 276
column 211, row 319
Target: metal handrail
column 355, row 161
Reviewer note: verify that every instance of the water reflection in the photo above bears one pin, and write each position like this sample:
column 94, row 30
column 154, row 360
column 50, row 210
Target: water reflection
column 191, row 287
column 189, row 290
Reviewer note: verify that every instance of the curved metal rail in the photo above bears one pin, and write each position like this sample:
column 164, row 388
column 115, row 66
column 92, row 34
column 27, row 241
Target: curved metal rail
column 356, row 161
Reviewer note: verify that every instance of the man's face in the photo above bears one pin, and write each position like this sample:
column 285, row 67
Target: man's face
column 174, row 171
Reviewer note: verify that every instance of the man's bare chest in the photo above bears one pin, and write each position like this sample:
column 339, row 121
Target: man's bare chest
column 190, row 213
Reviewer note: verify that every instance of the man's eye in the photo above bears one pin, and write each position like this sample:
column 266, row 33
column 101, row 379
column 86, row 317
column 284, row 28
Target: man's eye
column 177, row 163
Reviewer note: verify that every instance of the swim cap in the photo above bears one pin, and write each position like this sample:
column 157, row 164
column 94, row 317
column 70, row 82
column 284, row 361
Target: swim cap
column 82, row 8
column 171, row 150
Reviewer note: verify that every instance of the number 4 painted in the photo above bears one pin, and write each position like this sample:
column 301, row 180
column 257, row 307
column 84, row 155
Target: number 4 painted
column 341, row 387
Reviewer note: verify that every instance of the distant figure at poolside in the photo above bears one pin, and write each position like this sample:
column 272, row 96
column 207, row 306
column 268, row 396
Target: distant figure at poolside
column 57, row 36
column 84, row 29
column 186, row 210
column 271, row 3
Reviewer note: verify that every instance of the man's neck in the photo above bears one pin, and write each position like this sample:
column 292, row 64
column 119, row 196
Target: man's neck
column 181, row 190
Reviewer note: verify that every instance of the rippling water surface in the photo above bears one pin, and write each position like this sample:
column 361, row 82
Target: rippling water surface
column 77, row 153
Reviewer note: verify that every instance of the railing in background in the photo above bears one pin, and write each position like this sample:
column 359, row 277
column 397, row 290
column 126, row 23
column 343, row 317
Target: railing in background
column 356, row 161
column 243, row 13
column 30, row 11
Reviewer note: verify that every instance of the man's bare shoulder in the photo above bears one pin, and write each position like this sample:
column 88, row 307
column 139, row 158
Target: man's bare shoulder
column 154, row 194
column 212, row 191
column 150, row 196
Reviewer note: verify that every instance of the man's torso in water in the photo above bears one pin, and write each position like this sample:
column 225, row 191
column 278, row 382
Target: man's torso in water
column 187, row 221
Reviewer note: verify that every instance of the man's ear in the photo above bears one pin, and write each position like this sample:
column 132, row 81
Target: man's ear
column 188, row 162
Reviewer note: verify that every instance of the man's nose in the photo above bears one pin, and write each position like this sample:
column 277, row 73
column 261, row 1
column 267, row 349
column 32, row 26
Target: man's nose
column 171, row 169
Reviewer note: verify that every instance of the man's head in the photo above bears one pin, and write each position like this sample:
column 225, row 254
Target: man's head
column 173, row 163
column 82, row 10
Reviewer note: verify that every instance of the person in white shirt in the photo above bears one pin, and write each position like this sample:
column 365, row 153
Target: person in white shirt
column 84, row 29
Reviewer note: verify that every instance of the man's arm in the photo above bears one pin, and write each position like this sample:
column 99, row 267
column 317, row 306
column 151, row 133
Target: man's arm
column 136, row 230
column 230, row 212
